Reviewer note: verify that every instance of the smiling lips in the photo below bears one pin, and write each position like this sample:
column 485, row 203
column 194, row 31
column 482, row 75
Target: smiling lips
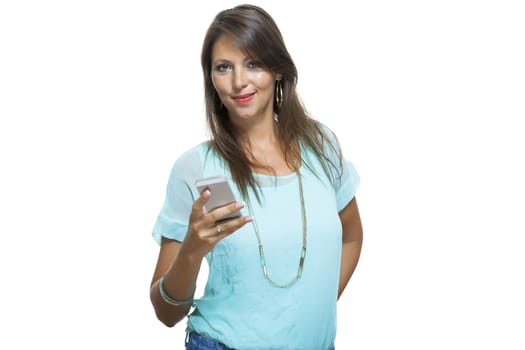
column 243, row 99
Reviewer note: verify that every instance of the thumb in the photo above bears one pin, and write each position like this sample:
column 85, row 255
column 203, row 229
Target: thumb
column 198, row 206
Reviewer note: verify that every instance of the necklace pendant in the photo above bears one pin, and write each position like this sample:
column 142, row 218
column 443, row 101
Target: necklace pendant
column 303, row 256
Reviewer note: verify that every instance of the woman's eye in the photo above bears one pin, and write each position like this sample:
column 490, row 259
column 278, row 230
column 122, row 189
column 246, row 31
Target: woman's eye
column 223, row 67
column 253, row 65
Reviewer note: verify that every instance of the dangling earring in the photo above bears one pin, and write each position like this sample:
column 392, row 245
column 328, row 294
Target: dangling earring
column 278, row 94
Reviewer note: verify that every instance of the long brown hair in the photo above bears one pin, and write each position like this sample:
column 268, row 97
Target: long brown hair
column 255, row 32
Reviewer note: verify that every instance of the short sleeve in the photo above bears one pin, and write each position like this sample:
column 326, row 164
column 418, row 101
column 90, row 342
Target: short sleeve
column 346, row 178
column 347, row 186
column 172, row 221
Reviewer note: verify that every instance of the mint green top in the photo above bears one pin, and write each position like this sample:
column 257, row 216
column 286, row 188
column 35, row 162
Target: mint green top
column 240, row 308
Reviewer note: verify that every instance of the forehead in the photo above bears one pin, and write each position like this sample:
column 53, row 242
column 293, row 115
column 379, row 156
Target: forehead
column 225, row 48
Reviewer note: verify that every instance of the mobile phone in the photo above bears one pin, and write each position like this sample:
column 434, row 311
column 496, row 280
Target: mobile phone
column 221, row 194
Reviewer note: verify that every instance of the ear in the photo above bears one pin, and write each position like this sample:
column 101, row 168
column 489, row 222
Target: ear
column 278, row 77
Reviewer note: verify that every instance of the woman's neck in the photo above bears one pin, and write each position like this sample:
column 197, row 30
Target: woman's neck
column 263, row 134
column 264, row 148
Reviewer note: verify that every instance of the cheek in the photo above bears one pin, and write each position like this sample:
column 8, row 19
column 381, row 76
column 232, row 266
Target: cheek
column 262, row 80
column 219, row 84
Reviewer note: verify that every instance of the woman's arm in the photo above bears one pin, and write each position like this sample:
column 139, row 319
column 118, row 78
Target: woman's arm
column 179, row 283
column 352, row 242
column 180, row 262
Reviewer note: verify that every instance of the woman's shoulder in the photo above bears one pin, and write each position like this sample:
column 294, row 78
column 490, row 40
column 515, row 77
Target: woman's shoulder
column 197, row 151
column 327, row 141
column 198, row 160
column 327, row 133
column 191, row 160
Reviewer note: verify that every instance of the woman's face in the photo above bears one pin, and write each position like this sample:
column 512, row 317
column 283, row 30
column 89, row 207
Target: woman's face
column 245, row 87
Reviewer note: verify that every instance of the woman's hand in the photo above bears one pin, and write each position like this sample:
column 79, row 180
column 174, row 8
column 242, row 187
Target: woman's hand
column 203, row 230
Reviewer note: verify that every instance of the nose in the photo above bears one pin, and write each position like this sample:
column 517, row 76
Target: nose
column 240, row 79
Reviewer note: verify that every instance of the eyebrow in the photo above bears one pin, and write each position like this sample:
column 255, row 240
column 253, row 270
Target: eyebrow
column 224, row 60
column 220, row 60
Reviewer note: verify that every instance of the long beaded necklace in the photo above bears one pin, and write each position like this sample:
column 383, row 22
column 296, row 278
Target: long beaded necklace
column 303, row 249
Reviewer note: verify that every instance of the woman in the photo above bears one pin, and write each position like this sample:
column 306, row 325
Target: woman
column 276, row 271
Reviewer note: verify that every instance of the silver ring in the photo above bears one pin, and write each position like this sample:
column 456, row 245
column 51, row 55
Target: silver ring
column 219, row 229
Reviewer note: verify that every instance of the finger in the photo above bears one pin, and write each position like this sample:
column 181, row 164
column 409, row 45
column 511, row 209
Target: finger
column 197, row 208
column 227, row 227
column 219, row 213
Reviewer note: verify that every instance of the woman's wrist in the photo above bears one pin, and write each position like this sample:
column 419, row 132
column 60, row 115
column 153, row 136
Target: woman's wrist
column 177, row 285
column 170, row 300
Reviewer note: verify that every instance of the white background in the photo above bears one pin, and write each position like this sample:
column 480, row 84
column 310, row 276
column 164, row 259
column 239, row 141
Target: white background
column 98, row 98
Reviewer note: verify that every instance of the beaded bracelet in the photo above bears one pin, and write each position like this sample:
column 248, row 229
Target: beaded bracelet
column 169, row 299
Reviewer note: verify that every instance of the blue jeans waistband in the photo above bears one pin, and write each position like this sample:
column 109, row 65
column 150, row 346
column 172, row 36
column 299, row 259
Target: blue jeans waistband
column 196, row 341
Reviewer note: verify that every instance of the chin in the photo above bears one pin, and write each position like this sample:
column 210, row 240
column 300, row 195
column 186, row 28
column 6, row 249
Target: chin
column 243, row 115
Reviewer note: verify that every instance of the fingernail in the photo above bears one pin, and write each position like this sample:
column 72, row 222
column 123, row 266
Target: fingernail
column 240, row 205
column 248, row 218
